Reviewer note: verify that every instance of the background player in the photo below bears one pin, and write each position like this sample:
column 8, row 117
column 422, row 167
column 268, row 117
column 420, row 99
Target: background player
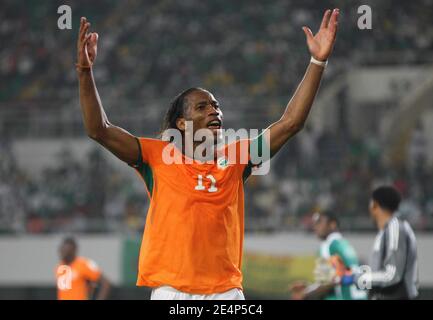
column 192, row 243
column 394, row 262
column 78, row 277
column 337, row 260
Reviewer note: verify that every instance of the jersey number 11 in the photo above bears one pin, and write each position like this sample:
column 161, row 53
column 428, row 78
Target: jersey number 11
column 200, row 185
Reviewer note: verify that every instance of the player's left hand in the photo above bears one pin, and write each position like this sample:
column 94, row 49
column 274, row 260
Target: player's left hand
column 321, row 44
column 87, row 45
column 324, row 272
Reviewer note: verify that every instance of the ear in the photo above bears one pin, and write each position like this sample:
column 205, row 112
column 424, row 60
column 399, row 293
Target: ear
column 372, row 207
column 180, row 123
column 333, row 225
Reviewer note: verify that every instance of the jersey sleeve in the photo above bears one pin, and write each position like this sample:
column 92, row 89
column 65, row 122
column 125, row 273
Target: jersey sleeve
column 395, row 258
column 258, row 154
column 345, row 251
column 149, row 150
column 90, row 270
column 238, row 154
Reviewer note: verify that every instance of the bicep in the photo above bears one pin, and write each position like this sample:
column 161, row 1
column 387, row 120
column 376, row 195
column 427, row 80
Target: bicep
column 91, row 271
column 279, row 133
column 121, row 143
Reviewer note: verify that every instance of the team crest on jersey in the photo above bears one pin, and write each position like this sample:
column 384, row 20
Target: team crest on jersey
column 222, row 163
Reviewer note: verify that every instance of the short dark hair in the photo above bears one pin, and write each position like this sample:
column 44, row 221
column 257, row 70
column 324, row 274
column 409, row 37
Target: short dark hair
column 176, row 109
column 70, row 240
column 330, row 215
column 387, row 197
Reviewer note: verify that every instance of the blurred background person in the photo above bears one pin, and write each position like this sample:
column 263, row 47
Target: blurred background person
column 78, row 278
column 337, row 260
column 394, row 261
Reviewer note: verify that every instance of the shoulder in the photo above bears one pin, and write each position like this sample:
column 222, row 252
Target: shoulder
column 340, row 244
column 80, row 261
column 345, row 250
column 87, row 263
column 150, row 150
column 407, row 229
column 395, row 231
column 151, row 142
column 59, row 268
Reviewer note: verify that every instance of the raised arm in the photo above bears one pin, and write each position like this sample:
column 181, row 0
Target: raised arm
column 298, row 108
column 117, row 140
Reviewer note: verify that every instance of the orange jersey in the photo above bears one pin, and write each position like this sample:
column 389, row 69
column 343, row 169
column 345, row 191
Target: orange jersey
column 73, row 279
column 195, row 224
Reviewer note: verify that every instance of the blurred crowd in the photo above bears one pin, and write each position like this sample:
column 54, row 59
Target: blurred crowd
column 157, row 48
column 71, row 196
column 314, row 171
column 338, row 172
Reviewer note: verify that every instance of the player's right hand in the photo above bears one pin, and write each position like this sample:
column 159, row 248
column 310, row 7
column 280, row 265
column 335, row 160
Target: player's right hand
column 297, row 290
column 87, row 45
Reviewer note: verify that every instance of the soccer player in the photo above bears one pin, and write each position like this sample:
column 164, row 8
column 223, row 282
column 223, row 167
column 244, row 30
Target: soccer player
column 394, row 263
column 77, row 277
column 337, row 262
column 192, row 242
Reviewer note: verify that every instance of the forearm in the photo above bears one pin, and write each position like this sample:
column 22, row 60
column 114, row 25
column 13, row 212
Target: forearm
column 299, row 106
column 297, row 109
column 386, row 278
column 317, row 291
column 94, row 117
column 104, row 290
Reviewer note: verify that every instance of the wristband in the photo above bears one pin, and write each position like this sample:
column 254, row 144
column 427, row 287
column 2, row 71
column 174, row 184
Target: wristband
column 80, row 67
column 319, row 63
column 347, row 280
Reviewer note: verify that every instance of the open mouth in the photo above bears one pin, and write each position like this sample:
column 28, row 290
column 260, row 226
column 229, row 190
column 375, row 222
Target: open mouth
column 214, row 124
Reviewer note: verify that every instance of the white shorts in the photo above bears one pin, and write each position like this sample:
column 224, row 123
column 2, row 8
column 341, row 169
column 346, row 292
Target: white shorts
column 169, row 293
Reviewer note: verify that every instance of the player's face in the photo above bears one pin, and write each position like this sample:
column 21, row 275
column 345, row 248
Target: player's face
column 321, row 226
column 204, row 112
column 67, row 252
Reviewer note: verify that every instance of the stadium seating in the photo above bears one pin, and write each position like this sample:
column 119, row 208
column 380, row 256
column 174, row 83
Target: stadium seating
column 163, row 47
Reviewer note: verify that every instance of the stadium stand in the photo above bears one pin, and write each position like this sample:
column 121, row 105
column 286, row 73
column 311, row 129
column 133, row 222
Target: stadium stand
column 163, row 47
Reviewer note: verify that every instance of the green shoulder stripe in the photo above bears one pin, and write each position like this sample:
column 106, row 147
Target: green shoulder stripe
column 146, row 172
column 342, row 248
column 257, row 144
column 247, row 171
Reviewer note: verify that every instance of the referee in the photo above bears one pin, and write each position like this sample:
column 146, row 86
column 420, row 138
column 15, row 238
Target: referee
column 394, row 266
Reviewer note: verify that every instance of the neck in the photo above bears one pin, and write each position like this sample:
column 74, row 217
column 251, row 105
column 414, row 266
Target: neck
column 383, row 219
column 68, row 261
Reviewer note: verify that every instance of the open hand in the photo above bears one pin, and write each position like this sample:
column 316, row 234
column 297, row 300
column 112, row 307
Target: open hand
column 320, row 45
